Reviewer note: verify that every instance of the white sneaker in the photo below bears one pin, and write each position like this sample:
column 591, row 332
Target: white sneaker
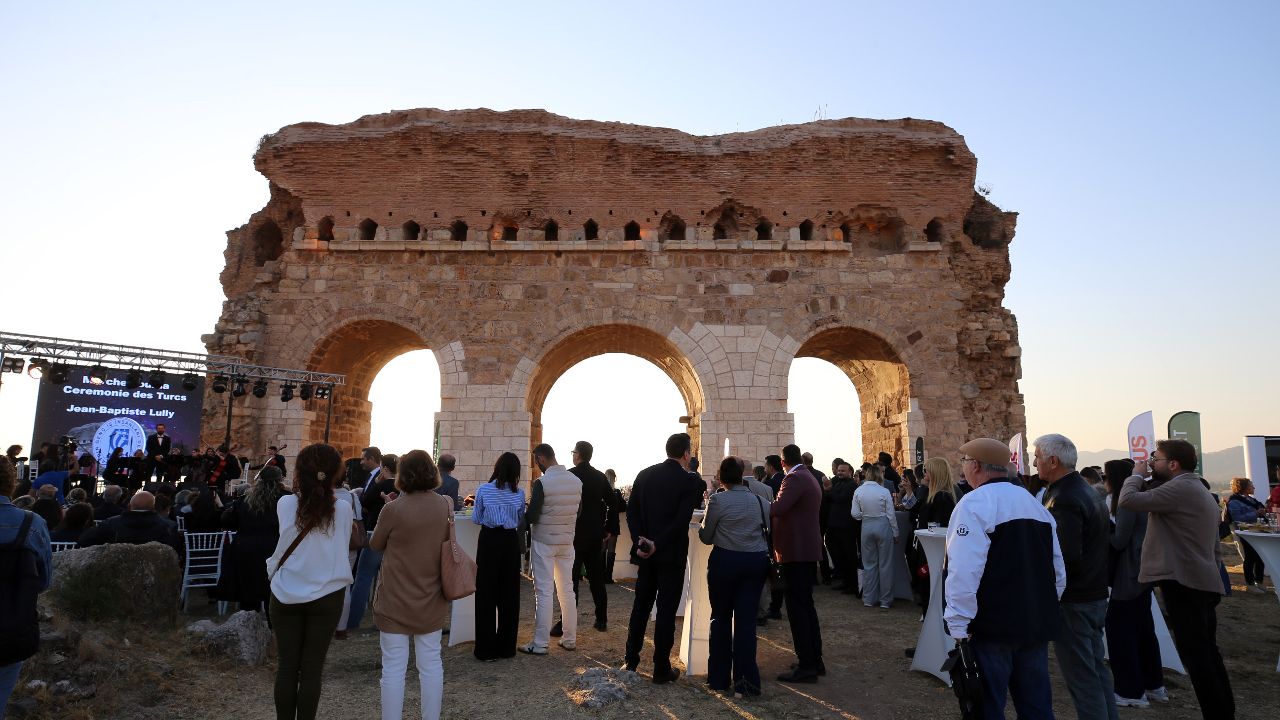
column 568, row 645
column 1132, row 702
column 1158, row 695
column 531, row 649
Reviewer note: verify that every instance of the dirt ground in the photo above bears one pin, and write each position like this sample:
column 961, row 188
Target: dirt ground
column 868, row 676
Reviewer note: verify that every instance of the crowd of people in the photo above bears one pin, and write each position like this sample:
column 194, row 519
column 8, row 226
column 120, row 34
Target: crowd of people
column 1058, row 556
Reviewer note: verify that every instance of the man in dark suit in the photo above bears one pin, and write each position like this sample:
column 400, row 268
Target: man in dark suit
column 448, row 483
column 797, row 544
column 773, row 469
column 592, row 530
column 371, row 504
column 158, row 445
column 658, row 514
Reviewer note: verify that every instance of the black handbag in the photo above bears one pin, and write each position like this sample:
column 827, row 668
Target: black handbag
column 776, row 583
column 966, row 679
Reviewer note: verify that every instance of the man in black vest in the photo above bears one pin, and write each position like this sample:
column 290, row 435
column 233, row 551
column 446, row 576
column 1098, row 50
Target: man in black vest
column 658, row 514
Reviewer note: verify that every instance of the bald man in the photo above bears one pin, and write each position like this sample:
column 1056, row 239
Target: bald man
column 136, row 526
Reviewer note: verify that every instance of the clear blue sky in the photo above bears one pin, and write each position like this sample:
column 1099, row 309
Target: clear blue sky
column 1137, row 140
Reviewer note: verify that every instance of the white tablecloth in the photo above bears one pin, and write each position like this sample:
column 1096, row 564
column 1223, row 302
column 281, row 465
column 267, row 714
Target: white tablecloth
column 694, row 637
column 462, row 618
column 933, row 644
column 1268, row 546
column 622, row 567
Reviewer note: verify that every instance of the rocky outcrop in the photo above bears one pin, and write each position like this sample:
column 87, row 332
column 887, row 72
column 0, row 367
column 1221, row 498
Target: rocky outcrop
column 117, row 582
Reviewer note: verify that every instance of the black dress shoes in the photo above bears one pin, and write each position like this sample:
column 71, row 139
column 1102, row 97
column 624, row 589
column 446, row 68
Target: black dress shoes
column 822, row 668
column 665, row 676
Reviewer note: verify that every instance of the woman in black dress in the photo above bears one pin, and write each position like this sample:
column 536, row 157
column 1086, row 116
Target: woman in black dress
column 253, row 519
column 938, row 505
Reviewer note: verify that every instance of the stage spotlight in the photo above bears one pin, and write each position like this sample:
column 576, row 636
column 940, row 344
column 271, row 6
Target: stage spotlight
column 220, row 384
column 37, row 368
column 156, row 378
column 97, row 375
column 133, row 379
column 323, row 391
column 239, row 389
column 14, row 364
column 190, row 381
column 58, row 374
column 260, row 388
column 304, row 392
column 286, row 392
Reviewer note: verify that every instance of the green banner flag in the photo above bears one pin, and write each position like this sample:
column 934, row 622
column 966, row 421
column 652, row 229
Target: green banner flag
column 1185, row 425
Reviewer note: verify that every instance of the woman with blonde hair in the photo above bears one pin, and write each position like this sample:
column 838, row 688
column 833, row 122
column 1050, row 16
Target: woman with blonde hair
column 409, row 605
column 938, row 505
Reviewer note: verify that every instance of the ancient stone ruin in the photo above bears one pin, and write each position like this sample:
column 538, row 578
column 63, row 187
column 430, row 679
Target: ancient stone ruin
column 516, row 244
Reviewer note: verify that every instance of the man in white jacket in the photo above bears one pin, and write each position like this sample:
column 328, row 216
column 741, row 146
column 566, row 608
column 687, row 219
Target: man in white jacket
column 1004, row 575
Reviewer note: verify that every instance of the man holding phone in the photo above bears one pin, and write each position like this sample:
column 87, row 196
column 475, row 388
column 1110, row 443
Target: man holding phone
column 658, row 513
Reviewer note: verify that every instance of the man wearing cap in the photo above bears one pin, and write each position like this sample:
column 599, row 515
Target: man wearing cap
column 1004, row 575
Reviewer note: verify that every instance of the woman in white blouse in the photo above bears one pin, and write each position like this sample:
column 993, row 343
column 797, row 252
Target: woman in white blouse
column 309, row 574
column 873, row 505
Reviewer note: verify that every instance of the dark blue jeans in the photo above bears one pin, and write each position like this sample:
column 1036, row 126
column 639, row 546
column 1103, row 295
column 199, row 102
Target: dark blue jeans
column 734, row 582
column 366, row 572
column 1020, row 670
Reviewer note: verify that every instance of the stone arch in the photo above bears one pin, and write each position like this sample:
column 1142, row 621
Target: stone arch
column 458, row 231
column 672, row 227
column 593, row 340
column 806, row 230
column 324, row 230
column 631, row 231
column 881, row 375
column 268, row 243
column 551, row 231
column 368, row 229
column 411, row 231
column 358, row 349
column 764, row 229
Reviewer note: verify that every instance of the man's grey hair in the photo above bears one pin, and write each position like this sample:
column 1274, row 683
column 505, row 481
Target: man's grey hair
column 996, row 469
column 1058, row 446
column 112, row 493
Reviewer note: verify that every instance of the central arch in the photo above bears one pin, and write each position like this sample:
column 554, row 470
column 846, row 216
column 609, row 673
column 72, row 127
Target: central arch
column 615, row 338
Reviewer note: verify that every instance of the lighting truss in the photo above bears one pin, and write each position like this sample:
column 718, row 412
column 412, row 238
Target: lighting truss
column 175, row 363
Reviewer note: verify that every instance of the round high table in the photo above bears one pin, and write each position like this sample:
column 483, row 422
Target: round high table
column 1268, row 546
column 462, row 615
column 933, row 644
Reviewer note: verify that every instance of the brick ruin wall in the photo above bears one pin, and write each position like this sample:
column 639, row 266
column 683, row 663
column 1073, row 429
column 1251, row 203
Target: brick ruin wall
column 516, row 244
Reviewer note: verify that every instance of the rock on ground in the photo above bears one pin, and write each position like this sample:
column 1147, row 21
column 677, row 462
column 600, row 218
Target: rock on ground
column 117, row 582
column 244, row 636
column 598, row 687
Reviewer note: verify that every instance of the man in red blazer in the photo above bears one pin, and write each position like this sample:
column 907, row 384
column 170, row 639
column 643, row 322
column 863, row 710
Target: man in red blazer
column 797, row 545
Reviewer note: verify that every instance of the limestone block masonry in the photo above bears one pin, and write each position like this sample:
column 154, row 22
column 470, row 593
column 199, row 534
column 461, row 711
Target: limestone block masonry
column 516, row 244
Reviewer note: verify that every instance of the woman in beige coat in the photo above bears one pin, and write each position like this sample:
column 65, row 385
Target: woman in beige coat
column 409, row 606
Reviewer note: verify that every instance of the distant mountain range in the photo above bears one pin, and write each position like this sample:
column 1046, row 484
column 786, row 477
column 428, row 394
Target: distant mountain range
column 1219, row 466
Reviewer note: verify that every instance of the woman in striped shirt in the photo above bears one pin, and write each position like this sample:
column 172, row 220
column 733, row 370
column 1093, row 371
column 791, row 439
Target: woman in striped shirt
column 499, row 511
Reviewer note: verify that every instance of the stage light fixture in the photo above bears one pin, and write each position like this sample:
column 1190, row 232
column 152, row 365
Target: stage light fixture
column 305, row 392
column 260, row 388
column 190, row 381
column 37, row 368
column 323, row 391
column 156, row 378
column 220, row 384
column 58, row 374
column 97, row 375
column 240, row 390
column 133, row 379
column 286, row 392
column 14, row 364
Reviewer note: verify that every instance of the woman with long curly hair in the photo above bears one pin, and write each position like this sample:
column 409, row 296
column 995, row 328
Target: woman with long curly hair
column 409, row 605
column 308, row 573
